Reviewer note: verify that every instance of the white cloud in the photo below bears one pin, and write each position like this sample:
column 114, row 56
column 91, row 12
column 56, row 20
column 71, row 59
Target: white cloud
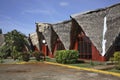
column 64, row 4
column 36, row 11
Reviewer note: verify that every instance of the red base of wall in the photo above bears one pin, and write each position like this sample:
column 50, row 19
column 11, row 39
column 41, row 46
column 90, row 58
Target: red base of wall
column 96, row 56
column 46, row 52
column 44, row 49
column 51, row 55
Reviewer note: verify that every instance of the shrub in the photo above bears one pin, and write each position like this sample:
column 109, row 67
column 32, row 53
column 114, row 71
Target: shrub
column 15, row 54
column 117, row 58
column 1, row 59
column 4, row 51
column 66, row 56
column 25, row 56
column 111, row 59
column 39, row 55
column 92, row 63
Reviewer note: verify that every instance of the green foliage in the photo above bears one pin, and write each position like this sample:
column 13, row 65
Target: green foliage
column 14, row 43
column 25, row 56
column 92, row 63
column 66, row 56
column 111, row 59
column 0, row 31
column 15, row 38
column 38, row 55
column 1, row 57
column 15, row 54
column 1, row 53
column 117, row 58
column 1, row 60
column 4, row 51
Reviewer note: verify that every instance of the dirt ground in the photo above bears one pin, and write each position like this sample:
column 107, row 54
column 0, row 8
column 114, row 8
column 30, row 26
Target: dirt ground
column 44, row 71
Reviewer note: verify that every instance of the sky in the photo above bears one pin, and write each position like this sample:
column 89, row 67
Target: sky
column 23, row 14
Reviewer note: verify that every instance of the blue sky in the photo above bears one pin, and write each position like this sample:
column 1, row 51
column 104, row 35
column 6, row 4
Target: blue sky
column 22, row 14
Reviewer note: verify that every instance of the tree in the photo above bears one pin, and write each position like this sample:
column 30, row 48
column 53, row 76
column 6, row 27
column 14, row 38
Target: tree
column 15, row 42
column 0, row 31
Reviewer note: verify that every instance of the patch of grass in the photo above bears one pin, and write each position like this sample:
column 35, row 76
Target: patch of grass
column 50, row 59
column 95, row 63
column 78, row 63
column 114, row 70
column 87, row 65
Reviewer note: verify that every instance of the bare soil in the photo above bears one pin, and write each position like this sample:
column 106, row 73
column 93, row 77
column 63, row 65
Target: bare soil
column 44, row 71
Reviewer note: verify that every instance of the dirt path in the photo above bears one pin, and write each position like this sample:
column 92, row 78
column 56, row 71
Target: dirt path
column 43, row 71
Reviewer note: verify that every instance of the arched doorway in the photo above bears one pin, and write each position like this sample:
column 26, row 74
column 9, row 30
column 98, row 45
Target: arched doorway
column 58, row 45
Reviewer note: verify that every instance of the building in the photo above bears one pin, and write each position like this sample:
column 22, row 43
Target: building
column 44, row 37
column 34, row 41
column 101, row 28
column 2, row 38
column 95, row 34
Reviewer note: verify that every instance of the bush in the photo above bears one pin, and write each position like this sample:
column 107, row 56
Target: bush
column 4, row 51
column 92, row 63
column 25, row 56
column 1, row 60
column 39, row 56
column 117, row 58
column 111, row 59
column 66, row 56
column 15, row 54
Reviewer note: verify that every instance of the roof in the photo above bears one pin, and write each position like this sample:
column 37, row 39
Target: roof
column 51, row 32
column 92, row 24
column 34, row 39
column 97, row 10
column 63, row 29
column 47, row 35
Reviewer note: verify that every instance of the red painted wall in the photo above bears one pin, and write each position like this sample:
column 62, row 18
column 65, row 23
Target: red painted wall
column 76, row 45
column 35, row 48
column 96, row 56
column 44, row 49
column 51, row 55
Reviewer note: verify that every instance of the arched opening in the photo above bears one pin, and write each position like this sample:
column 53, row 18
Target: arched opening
column 84, row 47
column 117, row 43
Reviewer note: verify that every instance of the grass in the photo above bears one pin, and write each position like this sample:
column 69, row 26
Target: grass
column 114, row 70
column 50, row 59
column 89, row 64
column 79, row 63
